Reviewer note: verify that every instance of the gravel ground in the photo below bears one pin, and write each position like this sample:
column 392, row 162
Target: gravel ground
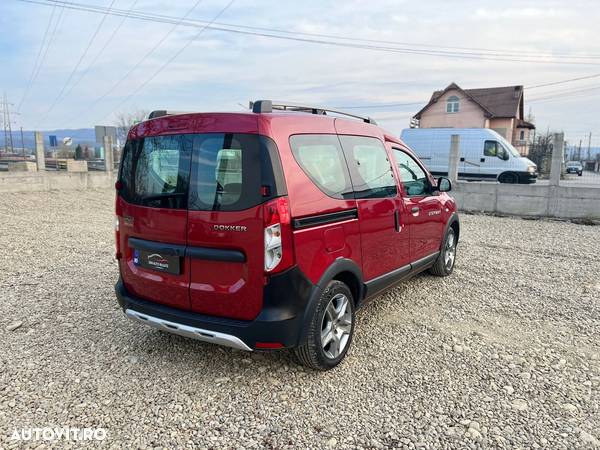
column 504, row 353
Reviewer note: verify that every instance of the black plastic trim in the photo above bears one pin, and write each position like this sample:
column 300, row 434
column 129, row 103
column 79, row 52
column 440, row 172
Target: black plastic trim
column 385, row 281
column 382, row 282
column 323, row 219
column 453, row 219
column 424, row 262
column 158, row 247
column 215, row 254
column 285, row 300
column 208, row 253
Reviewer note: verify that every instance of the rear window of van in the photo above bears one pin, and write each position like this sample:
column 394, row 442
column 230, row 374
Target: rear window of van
column 205, row 172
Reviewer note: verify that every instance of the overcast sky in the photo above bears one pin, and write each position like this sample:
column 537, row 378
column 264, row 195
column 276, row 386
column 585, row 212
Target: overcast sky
column 219, row 70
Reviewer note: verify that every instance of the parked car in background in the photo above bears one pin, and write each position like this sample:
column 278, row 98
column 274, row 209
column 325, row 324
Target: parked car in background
column 574, row 167
column 269, row 229
column 484, row 154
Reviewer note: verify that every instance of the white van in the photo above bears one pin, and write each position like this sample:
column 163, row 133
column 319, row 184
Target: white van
column 484, row 154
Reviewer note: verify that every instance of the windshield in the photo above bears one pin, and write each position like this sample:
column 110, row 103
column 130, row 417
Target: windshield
column 508, row 146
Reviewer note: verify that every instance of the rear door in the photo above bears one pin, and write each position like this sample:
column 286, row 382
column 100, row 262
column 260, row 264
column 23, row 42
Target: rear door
column 232, row 176
column 422, row 208
column 152, row 219
column 376, row 194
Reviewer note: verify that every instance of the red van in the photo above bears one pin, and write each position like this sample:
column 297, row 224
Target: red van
column 268, row 229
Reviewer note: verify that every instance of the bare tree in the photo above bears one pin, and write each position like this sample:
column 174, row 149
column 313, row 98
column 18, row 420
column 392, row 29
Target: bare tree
column 125, row 120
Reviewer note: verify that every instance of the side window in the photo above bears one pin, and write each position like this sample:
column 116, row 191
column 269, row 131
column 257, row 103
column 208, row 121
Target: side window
column 321, row 158
column 412, row 177
column 490, row 148
column 370, row 169
column 161, row 172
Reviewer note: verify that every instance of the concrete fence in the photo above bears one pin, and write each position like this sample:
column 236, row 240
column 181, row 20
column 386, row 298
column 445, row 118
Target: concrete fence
column 528, row 200
column 48, row 181
column 535, row 200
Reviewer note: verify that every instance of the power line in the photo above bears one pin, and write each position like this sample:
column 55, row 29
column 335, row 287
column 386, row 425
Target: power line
column 81, row 58
column 596, row 75
column 293, row 36
column 143, row 58
column 396, row 105
column 104, row 47
column 496, row 52
column 37, row 58
column 565, row 93
column 179, row 52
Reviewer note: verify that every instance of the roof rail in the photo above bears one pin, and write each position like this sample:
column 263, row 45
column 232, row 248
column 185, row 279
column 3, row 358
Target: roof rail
column 164, row 112
column 267, row 106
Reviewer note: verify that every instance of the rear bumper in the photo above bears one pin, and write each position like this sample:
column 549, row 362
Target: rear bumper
column 279, row 325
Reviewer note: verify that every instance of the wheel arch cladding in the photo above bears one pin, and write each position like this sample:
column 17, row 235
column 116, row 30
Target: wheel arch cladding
column 344, row 270
column 455, row 224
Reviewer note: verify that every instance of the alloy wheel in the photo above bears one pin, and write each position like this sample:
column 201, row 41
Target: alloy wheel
column 450, row 250
column 336, row 326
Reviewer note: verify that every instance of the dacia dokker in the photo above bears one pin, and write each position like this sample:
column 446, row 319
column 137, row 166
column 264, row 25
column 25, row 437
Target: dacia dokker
column 267, row 229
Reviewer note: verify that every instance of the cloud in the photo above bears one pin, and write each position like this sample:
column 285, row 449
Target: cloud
column 221, row 69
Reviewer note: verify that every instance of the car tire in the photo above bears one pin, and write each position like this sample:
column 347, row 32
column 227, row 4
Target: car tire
column 330, row 329
column 579, row 174
column 444, row 264
column 509, row 178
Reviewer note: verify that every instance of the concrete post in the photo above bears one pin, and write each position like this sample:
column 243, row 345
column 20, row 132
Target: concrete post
column 108, row 154
column 558, row 143
column 454, row 158
column 40, row 157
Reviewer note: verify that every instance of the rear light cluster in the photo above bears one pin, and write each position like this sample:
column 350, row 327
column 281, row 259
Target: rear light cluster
column 117, row 239
column 279, row 250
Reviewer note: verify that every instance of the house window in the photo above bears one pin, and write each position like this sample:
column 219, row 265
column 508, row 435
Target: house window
column 522, row 135
column 452, row 104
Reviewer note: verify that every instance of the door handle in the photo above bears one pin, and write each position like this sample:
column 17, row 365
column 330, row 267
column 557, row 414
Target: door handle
column 482, row 160
column 415, row 210
column 462, row 159
column 397, row 224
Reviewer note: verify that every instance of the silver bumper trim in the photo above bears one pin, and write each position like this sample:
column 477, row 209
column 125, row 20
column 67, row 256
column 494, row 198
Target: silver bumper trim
column 187, row 331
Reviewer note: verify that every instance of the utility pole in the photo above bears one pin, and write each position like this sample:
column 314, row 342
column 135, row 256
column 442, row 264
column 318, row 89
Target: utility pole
column 589, row 147
column 7, row 126
column 579, row 151
column 4, row 125
column 22, row 144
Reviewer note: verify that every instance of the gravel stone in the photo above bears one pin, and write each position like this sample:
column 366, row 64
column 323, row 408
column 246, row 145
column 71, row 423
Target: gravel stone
column 13, row 326
column 522, row 305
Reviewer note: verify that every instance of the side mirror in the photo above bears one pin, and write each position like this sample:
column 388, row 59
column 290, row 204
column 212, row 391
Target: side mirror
column 444, row 184
column 503, row 154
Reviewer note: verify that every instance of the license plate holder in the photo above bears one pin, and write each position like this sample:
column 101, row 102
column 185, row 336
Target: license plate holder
column 157, row 262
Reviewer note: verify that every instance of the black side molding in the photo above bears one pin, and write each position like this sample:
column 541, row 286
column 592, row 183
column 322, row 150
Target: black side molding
column 382, row 282
column 208, row 253
column 322, row 219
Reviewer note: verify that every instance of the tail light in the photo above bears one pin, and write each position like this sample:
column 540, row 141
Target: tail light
column 117, row 239
column 279, row 249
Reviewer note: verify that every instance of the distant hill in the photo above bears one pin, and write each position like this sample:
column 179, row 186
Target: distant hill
column 83, row 136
